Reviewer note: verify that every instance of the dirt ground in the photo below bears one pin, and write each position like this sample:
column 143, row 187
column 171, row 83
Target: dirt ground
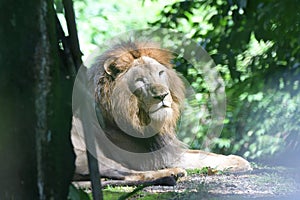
column 263, row 183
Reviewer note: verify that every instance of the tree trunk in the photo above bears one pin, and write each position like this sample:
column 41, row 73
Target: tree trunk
column 36, row 158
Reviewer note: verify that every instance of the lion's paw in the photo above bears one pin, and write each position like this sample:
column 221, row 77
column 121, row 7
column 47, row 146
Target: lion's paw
column 153, row 175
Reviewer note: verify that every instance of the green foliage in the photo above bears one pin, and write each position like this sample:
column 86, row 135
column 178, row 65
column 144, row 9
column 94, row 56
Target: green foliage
column 255, row 45
column 98, row 21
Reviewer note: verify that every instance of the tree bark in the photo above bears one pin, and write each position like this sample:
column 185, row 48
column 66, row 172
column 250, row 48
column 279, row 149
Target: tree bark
column 36, row 158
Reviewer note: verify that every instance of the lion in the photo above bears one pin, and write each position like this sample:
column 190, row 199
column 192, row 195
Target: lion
column 138, row 99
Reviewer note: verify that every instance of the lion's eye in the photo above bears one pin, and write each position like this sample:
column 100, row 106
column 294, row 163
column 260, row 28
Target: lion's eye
column 139, row 80
column 161, row 72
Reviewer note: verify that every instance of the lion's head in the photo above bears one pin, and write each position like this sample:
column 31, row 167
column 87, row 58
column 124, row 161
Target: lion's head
column 138, row 90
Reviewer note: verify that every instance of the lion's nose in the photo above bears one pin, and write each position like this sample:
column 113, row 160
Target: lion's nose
column 160, row 96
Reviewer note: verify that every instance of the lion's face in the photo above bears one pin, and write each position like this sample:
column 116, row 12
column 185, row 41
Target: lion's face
column 148, row 82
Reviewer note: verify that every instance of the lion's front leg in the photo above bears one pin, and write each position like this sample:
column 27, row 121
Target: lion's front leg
column 167, row 176
column 199, row 159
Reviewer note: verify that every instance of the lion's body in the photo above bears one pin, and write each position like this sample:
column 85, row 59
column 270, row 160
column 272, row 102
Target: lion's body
column 139, row 97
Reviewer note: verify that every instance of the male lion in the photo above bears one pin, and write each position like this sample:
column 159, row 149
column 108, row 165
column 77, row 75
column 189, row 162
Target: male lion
column 138, row 97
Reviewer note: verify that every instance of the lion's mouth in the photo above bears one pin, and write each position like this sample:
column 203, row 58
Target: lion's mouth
column 160, row 106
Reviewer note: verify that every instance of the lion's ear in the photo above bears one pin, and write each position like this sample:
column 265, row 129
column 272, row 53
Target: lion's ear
column 111, row 68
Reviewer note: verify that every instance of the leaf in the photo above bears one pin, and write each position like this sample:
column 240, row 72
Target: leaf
column 77, row 194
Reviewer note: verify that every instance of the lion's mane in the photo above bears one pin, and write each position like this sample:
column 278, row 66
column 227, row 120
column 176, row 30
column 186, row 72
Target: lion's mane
column 122, row 57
